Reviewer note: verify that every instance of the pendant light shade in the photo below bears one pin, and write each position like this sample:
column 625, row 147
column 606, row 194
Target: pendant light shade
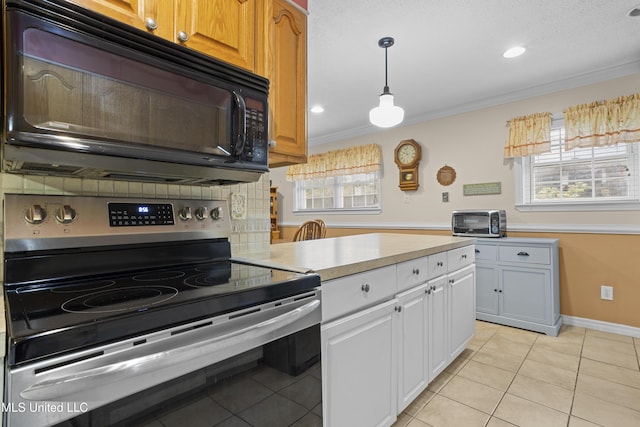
column 386, row 114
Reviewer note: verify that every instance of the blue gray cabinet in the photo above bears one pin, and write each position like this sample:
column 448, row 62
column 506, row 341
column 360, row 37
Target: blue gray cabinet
column 518, row 283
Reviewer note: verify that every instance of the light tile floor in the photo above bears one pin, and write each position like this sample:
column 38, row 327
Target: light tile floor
column 510, row 377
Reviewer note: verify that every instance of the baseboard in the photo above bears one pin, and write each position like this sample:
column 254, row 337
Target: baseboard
column 598, row 325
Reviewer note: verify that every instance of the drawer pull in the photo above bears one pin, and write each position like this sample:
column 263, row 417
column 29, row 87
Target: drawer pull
column 365, row 288
column 523, row 253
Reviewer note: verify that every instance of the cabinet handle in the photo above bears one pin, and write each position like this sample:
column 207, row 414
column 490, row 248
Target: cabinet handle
column 398, row 308
column 464, row 256
column 416, row 271
column 151, row 24
column 439, row 263
column 523, row 253
column 428, row 291
column 477, row 251
column 452, row 280
column 365, row 287
column 183, row 37
column 495, row 290
column 500, row 291
column 433, row 287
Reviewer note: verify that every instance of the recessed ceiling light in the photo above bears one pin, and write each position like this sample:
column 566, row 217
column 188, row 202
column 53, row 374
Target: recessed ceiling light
column 317, row 109
column 514, row 51
column 634, row 12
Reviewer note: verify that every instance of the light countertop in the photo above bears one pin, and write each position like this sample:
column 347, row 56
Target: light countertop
column 341, row 256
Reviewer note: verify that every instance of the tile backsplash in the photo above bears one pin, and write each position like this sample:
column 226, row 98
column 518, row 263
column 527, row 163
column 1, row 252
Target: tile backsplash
column 247, row 235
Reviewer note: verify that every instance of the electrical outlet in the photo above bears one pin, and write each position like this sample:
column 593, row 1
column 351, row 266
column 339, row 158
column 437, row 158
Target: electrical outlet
column 606, row 292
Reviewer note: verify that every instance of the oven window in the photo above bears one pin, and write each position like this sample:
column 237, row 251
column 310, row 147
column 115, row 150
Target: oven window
column 80, row 89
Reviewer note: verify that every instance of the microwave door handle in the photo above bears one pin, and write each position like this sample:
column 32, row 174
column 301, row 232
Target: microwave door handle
column 240, row 131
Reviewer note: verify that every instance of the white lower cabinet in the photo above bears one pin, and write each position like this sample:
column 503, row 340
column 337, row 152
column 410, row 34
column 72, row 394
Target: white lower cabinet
column 518, row 283
column 359, row 368
column 413, row 367
column 378, row 359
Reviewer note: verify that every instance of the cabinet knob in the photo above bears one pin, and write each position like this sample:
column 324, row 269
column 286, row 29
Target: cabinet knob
column 495, row 290
column 433, row 287
column 500, row 291
column 464, row 256
column 151, row 24
column 477, row 251
column 398, row 308
column 452, row 280
column 416, row 271
column 440, row 264
column 183, row 37
column 365, row 287
column 428, row 291
column 272, row 143
column 523, row 253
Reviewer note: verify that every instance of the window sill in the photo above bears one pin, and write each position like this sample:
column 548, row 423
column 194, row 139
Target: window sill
column 370, row 211
column 579, row 206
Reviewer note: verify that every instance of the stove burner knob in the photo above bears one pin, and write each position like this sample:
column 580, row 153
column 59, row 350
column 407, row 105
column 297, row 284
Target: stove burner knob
column 35, row 214
column 202, row 213
column 65, row 215
column 185, row 213
column 216, row 213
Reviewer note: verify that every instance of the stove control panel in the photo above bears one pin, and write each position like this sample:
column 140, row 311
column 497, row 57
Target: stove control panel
column 34, row 222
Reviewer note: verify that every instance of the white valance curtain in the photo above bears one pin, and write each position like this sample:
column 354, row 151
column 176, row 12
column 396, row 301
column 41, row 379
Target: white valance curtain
column 529, row 135
column 348, row 161
column 603, row 123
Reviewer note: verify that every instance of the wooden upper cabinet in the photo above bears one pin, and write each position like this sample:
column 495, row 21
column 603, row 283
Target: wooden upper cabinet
column 224, row 29
column 286, row 62
column 155, row 16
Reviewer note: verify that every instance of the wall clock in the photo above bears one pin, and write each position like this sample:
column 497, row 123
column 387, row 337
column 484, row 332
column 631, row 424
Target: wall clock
column 407, row 156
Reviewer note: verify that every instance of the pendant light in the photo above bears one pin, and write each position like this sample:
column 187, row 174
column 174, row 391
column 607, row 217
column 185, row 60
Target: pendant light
column 386, row 114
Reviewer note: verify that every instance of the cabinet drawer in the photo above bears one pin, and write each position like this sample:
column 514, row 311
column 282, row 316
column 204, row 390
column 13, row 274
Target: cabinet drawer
column 351, row 293
column 458, row 258
column 486, row 252
column 412, row 272
column 525, row 254
column 437, row 264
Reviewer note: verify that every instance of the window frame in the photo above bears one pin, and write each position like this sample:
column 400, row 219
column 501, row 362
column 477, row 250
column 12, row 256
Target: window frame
column 299, row 195
column 523, row 184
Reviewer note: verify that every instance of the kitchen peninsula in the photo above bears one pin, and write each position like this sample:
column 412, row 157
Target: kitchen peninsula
column 397, row 309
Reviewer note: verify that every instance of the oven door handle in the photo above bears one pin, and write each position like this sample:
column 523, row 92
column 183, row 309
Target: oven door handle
column 58, row 388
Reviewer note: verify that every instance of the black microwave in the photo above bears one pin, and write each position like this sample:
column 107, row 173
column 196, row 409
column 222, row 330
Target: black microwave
column 87, row 96
column 479, row 223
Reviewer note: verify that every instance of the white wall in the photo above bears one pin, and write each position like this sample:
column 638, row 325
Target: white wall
column 472, row 143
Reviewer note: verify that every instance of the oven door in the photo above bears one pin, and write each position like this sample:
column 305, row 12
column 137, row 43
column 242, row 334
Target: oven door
column 54, row 390
column 80, row 88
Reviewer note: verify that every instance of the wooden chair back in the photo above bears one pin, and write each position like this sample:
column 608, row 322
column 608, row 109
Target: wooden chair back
column 323, row 228
column 309, row 230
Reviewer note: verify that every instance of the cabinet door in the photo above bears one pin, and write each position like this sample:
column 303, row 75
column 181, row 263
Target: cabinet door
column 526, row 294
column 288, row 89
column 224, row 29
column 136, row 12
column 462, row 309
column 438, row 320
column 359, row 368
column 487, row 288
column 413, row 368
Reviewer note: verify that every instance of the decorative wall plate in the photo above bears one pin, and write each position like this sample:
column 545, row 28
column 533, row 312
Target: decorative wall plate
column 238, row 206
column 446, row 175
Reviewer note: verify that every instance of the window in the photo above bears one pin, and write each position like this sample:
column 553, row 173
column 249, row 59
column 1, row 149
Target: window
column 357, row 192
column 594, row 178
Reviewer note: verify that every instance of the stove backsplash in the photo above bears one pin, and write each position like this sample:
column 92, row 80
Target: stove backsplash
column 247, row 235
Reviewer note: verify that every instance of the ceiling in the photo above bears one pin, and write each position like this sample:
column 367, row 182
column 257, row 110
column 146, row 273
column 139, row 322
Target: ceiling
column 447, row 57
